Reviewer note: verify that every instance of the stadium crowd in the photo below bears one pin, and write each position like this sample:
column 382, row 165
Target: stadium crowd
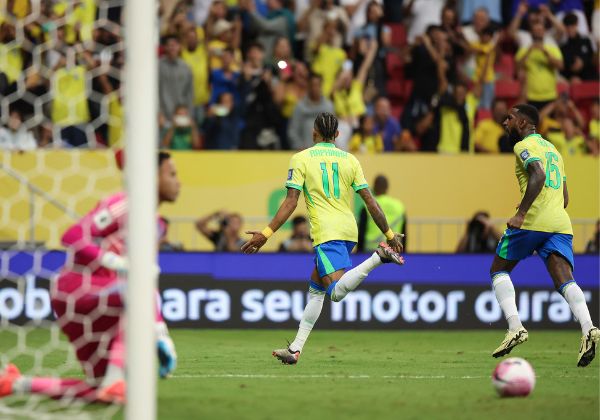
column 402, row 75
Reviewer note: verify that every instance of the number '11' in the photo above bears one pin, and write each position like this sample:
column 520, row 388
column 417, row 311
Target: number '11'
column 336, row 180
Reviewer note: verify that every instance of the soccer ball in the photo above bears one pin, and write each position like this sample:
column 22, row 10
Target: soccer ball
column 513, row 377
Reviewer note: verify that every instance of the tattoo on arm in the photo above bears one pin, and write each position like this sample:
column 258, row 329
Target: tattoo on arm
column 374, row 210
column 537, row 176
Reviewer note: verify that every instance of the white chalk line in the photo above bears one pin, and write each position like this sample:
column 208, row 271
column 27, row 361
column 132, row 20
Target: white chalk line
column 40, row 415
column 417, row 377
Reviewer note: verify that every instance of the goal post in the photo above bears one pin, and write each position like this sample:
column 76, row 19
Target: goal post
column 141, row 111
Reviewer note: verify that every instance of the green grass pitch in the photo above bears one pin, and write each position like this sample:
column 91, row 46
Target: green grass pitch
column 230, row 374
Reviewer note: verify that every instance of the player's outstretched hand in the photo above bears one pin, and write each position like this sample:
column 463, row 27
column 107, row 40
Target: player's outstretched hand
column 255, row 243
column 396, row 243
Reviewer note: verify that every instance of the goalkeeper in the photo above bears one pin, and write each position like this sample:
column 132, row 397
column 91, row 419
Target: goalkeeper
column 88, row 302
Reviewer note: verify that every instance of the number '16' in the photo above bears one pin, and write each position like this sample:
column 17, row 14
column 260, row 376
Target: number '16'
column 551, row 167
column 336, row 180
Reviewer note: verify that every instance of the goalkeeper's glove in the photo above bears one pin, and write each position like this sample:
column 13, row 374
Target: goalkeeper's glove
column 167, row 357
column 114, row 262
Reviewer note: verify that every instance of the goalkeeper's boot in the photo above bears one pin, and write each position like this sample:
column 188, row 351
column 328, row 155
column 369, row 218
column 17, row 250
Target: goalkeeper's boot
column 587, row 349
column 287, row 356
column 388, row 255
column 511, row 340
column 7, row 379
column 113, row 393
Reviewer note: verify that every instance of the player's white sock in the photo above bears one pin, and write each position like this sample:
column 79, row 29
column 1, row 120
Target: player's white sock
column 351, row 279
column 309, row 317
column 576, row 300
column 505, row 294
column 22, row 385
column 113, row 374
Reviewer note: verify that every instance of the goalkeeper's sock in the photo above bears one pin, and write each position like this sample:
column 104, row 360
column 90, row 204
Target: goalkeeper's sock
column 353, row 278
column 576, row 300
column 55, row 387
column 316, row 295
column 505, row 294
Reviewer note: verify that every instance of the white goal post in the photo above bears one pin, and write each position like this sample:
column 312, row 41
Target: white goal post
column 141, row 98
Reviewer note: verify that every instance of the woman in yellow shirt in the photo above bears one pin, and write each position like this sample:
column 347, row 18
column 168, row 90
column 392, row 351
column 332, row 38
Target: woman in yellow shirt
column 364, row 140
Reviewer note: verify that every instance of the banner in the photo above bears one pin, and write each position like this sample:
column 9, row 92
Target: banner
column 201, row 290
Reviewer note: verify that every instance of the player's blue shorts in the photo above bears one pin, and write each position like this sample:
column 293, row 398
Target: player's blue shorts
column 332, row 256
column 517, row 244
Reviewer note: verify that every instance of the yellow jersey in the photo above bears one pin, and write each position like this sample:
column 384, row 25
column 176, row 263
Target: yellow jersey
column 70, row 103
column 547, row 213
column 328, row 177
column 541, row 76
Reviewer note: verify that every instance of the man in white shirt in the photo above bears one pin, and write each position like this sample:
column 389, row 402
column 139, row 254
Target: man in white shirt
column 16, row 136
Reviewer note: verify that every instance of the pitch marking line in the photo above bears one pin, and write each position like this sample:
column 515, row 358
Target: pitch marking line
column 417, row 377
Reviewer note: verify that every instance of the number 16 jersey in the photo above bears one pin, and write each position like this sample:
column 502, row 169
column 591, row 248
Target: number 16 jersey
column 547, row 213
column 328, row 177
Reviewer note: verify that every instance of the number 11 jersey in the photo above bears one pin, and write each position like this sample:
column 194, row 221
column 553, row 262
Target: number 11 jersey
column 547, row 213
column 328, row 177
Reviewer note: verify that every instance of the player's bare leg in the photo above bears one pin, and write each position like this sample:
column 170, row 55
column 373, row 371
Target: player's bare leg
column 505, row 294
column 562, row 276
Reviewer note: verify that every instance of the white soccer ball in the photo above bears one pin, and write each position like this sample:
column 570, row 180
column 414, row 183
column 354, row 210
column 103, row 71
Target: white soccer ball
column 513, row 377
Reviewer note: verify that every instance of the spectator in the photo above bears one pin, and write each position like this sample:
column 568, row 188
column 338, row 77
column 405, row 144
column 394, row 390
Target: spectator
column 470, row 8
column 489, row 131
column 300, row 240
column 423, row 14
column 225, row 79
column 539, row 62
column 365, row 140
column 224, row 37
column 578, row 53
column 593, row 245
column 329, row 58
column 279, row 22
column 485, row 56
column 375, row 30
column 195, row 56
column 300, row 129
column 389, row 129
column 16, row 136
column 226, row 237
column 182, row 133
column 222, row 124
column 535, row 15
column 70, row 109
column 369, row 235
column 480, row 236
column 569, row 140
column 282, row 52
column 453, row 30
column 428, row 57
column 553, row 113
column 313, row 20
column 262, row 118
column 163, row 241
column 593, row 142
column 357, row 13
column 292, row 87
column 175, row 82
column 455, row 119
column 348, row 99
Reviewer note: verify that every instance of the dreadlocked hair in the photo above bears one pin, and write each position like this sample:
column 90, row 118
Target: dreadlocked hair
column 326, row 125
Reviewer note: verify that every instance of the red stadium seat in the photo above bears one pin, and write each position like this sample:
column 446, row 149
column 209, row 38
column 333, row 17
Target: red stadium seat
column 394, row 66
column 562, row 87
column 398, row 34
column 483, row 114
column 585, row 91
column 505, row 67
column 508, row 89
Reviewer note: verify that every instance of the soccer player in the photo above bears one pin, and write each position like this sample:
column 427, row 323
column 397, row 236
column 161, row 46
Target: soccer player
column 88, row 302
column 541, row 224
column 328, row 177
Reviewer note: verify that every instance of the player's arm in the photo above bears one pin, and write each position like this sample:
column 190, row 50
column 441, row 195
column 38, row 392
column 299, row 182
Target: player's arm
column 535, row 183
column 565, row 193
column 285, row 211
column 99, row 223
column 394, row 240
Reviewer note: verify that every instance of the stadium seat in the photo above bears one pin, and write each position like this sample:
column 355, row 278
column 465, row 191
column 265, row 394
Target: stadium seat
column 483, row 114
column 398, row 34
column 585, row 91
column 509, row 90
column 562, row 87
column 505, row 67
column 394, row 66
